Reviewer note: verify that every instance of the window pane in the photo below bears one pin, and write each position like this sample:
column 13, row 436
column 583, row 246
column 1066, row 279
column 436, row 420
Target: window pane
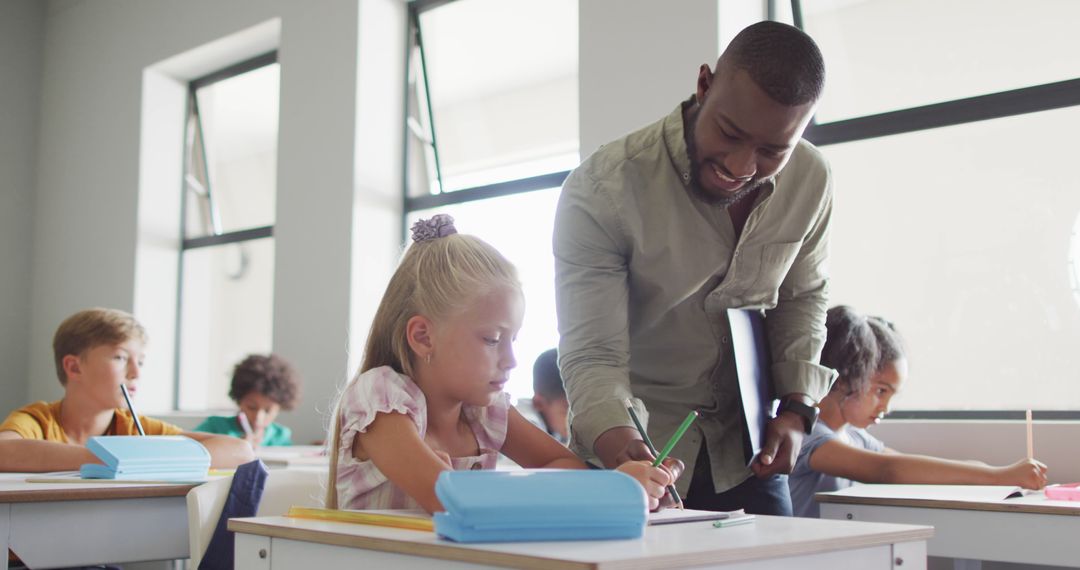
column 503, row 81
column 240, row 129
column 964, row 239
column 526, row 241
column 883, row 55
column 226, row 314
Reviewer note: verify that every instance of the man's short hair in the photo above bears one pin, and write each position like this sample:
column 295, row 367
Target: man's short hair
column 89, row 329
column 270, row 375
column 547, row 381
column 781, row 59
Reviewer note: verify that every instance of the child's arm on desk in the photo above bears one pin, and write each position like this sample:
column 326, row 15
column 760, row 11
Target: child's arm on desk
column 393, row 443
column 530, row 447
column 37, row 456
column 841, row 460
column 226, row 452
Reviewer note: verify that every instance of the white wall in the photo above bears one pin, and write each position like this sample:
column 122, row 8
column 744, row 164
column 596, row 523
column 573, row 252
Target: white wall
column 21, row 37
column 638, row 60
column 92, row 169
column 339, row 178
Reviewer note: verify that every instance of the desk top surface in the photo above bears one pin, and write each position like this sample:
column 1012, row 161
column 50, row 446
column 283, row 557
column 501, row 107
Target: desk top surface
column 302, row 456
column 15, row 489
column 665, row 546
column 961, row 497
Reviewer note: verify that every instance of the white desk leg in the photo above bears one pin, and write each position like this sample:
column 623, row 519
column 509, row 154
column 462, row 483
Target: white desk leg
column 5, row 531
column 252, row 552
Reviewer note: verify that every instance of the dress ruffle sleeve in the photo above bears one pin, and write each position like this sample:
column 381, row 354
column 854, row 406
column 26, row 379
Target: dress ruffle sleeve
column 379, row 390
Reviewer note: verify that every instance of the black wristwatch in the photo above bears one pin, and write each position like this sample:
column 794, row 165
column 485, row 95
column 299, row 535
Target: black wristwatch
column 807, row 412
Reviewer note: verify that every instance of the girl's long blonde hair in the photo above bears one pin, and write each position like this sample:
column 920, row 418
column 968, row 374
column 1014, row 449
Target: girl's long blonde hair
column 437, row 278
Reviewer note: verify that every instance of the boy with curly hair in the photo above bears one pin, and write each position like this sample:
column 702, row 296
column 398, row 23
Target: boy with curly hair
column 262, row 386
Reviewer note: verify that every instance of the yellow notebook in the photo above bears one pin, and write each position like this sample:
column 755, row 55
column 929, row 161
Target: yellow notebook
column 407, row 519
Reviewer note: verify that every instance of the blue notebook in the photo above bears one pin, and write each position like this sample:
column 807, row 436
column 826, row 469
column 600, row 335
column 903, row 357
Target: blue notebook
column 164, row 458
column 541, row 504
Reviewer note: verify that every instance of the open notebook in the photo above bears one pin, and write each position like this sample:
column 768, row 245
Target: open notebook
column 963, row 493
column 672, row 516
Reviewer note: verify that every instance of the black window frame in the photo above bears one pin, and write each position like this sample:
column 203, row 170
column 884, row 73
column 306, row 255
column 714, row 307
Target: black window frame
column 216, row 237
column 501, row 189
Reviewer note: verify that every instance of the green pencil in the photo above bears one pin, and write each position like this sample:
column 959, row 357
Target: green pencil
column 676, row 437
column 648, row 443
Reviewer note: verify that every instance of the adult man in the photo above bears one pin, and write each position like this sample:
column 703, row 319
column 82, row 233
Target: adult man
column 718, row 205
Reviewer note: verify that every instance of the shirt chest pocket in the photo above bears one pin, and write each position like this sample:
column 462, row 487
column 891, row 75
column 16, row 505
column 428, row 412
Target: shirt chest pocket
column 776, row 261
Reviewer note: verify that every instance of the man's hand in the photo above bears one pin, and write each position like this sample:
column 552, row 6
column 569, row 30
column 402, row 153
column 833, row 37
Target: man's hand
column 783, row 439
column 620, row 445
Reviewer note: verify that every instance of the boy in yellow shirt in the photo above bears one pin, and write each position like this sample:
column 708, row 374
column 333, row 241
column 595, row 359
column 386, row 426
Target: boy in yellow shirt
column 95, row 351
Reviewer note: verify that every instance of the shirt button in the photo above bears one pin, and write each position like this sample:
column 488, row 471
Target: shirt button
column 686, row 176
column 724, row 340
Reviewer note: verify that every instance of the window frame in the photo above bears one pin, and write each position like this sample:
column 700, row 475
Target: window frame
column 214, row 239
column 414, row 38
column 996, row 105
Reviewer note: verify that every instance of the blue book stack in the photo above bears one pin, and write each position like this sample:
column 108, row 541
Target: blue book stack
column 153, row 458
column 543, row 504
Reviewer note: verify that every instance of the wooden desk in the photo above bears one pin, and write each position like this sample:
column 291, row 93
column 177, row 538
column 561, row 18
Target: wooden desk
column 75, row 524
column 771, row 543
column 969, row 522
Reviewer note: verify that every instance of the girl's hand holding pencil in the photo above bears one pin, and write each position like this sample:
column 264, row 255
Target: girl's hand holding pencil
column 655, row 480
column 660, row 459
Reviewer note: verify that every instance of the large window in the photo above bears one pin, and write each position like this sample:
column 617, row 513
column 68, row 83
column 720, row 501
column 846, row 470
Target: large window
column 225, row 309
column 950, row 130
column 492, row 133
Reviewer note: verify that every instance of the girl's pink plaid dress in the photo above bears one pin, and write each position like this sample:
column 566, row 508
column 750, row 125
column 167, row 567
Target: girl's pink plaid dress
column 360, row 485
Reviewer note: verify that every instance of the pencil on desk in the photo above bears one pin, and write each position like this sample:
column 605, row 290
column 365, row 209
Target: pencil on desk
column 1030, row 439
column 134, row 416
column 652, row 449
column 406, row 521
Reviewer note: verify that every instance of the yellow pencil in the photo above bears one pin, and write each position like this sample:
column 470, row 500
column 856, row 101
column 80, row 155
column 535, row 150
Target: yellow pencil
column 410, row 522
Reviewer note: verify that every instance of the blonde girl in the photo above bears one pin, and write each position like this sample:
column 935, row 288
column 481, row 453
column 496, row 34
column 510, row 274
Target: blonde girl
column 429, row 394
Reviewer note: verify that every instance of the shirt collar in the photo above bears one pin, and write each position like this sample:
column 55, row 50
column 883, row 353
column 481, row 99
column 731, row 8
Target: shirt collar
column 675, row 140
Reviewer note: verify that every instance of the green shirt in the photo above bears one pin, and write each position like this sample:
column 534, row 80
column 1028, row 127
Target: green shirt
column 645, row 272
column 275, row 434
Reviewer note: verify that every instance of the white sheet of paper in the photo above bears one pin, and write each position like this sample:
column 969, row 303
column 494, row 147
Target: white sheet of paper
column 669, row 516
column 973, row 493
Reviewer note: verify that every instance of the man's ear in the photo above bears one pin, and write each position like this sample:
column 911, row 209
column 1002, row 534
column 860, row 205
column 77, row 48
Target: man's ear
column 704, row 82
column 420, row 332
column 72, row 366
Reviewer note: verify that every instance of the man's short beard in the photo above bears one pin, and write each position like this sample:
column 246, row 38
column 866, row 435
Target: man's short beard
column 696, row 188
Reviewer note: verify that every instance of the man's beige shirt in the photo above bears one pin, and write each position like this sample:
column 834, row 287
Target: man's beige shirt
column 645, row 272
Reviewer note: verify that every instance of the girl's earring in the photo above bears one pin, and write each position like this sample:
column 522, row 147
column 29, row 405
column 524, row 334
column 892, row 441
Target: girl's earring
column 427, row 358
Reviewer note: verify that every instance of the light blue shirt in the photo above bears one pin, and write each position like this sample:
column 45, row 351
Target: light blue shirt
column 804, row 481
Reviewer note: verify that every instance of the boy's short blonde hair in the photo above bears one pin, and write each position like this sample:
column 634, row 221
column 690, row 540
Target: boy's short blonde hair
column 89, row 329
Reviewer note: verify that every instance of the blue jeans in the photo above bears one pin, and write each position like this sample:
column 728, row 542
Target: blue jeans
column 768, row 496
